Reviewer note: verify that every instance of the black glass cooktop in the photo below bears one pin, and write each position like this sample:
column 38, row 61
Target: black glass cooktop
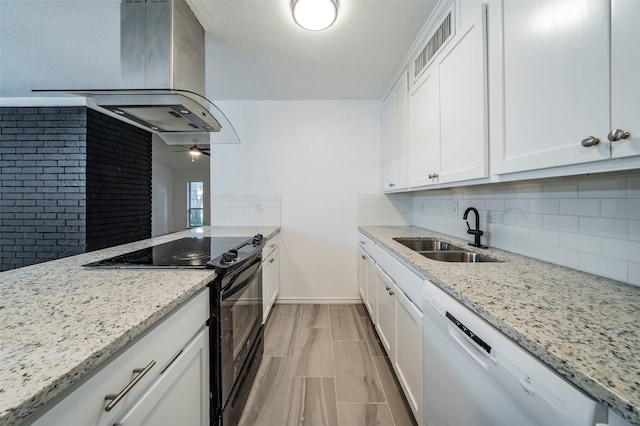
column 190, row 252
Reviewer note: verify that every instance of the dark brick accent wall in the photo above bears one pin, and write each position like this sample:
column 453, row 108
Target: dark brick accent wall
column 118, row 182
column 42, row 185
column 71, row 180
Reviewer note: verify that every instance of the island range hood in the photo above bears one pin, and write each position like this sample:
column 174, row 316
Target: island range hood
column 162, row 76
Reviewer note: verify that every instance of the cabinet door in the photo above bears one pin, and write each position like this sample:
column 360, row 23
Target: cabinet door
column 371, row 292
column 549, row 88
column 424, row 130
column 394, row 137
column 362, row 274
column 385, row 324
column 388, row 148
column 270, row 281
column 180, row 396
column 408, row 361
column 463, row 105
column 625, row 69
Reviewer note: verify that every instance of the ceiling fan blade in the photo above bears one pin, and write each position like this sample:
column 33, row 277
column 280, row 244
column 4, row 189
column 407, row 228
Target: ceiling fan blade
column 206, row 153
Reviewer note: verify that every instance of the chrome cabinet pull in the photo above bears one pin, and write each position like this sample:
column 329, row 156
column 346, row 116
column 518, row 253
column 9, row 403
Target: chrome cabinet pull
column 590, row 141
column 391, row 292
column 364, row 257
column 392, row 184
column 116, row 398
column 433, row 175
column 271, row 261
column 363, row 242
column 272, row 245
column 618, row 134
column 387, row 287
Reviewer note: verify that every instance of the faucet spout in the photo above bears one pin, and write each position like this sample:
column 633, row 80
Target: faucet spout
column 477, row 233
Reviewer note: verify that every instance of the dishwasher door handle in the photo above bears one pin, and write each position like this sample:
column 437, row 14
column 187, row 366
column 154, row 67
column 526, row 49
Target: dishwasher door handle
column 466, row 343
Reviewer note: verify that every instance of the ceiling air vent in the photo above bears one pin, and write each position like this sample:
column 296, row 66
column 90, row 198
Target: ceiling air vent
column 435, row 43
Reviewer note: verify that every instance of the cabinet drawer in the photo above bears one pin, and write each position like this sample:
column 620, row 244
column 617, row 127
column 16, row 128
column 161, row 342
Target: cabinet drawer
column 410, row 283
column 366, row 243
column 85, row 405
column 272, row 244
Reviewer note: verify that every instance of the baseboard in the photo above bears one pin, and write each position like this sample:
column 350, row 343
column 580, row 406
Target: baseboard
column 315, row 300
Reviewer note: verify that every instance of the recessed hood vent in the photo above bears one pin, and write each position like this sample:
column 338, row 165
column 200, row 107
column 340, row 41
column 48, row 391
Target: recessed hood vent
column 162, row 58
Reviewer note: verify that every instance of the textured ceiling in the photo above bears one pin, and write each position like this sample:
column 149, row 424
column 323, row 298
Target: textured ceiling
column 256, row 51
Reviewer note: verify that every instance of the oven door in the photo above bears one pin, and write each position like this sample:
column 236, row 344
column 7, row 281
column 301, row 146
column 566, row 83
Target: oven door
column 240, row 321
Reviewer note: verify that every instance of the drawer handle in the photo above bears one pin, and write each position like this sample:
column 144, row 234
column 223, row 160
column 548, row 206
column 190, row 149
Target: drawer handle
column 272, row 245
column 590, row 141
column 271, row 261
column 116, row 398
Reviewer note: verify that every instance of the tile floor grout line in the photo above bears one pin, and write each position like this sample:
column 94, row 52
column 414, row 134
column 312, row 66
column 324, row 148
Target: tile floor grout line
column 333, row 364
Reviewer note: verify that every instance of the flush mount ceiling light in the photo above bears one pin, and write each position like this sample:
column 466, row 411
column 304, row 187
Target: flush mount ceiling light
column 314, row 15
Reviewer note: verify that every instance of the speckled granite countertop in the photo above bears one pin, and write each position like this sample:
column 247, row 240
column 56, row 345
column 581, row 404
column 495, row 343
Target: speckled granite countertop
column 583, row 326
column 59, row 321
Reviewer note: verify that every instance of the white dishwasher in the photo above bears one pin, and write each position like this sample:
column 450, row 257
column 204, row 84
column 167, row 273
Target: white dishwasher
column 476, row 376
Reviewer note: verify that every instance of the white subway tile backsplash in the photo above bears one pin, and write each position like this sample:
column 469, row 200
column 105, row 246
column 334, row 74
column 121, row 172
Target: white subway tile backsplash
column 634, row 274
column 622, row 208
column 528, row 190
column 544, row 206
column 604, row 227
column 531, row 220
column 545, row 236
column 580, row 206
column 560, row 222
column 634, row 230
column 245, row 209
column 576, row 221
column 560, row 189
column 579, row 242
column 621, row 249
column 604, row 266
column 595, row 186
column 560, row 256
column 634, row 187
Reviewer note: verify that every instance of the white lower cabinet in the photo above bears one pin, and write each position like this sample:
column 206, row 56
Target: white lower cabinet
column 166, row 356
column 181, row 394
column 386, row 305
column 270, row 275
column 390, row 290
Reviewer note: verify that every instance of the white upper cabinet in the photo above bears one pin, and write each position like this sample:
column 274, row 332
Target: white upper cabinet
column 447, row 98
column 552, row 65
column 394, row 137
column 625, row 83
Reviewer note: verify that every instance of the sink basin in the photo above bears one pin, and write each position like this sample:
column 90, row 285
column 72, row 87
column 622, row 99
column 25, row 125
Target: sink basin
column 426, row 244
column 458, row 256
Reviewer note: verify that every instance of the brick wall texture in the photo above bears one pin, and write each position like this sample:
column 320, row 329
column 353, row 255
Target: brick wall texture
column 48, row 178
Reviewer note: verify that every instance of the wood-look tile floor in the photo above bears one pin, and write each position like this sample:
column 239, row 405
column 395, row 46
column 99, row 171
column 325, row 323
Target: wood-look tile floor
column 324, row 365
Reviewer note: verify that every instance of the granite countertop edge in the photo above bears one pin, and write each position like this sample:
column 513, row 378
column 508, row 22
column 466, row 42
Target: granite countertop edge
column 58, row 385
column 566, row 368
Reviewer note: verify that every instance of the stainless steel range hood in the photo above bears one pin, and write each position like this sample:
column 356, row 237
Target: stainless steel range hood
column 162, row 73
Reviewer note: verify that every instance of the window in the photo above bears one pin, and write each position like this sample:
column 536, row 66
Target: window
column 195, row 204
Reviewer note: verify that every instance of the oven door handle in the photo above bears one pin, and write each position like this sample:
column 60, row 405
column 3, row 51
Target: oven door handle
column 233, row 287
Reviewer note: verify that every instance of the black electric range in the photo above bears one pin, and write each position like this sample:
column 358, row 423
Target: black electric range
column 189, row 252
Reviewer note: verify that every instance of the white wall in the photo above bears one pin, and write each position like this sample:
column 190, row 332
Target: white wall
column 59, row 44
column 590, row 222
column 161, row 199
column 180, row 179
column 318, row 155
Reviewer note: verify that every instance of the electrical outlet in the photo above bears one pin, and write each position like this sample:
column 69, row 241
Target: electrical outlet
column 258, row 207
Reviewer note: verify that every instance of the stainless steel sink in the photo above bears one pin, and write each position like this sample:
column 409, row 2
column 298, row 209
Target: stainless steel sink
column 442, row 251
column 458, row 256
column 427, row 244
